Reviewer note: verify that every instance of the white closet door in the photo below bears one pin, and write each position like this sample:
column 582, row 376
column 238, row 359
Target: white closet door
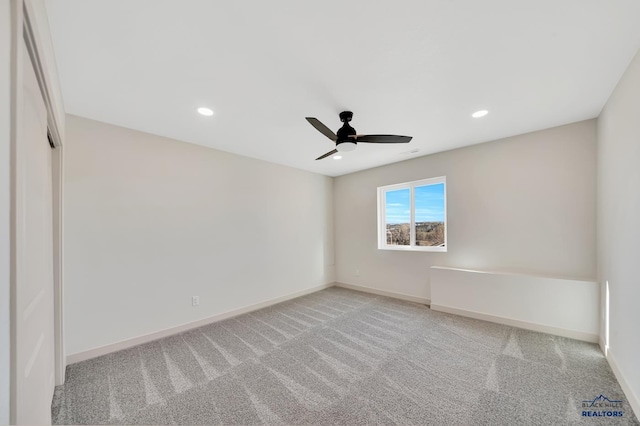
column 34, row 251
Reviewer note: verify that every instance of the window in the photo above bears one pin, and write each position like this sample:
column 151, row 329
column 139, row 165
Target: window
column 413, row 215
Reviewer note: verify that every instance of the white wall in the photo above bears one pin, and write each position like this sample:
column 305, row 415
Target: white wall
column 150, row 222
column 523, row 204
column 619, row 224
column 5, row 212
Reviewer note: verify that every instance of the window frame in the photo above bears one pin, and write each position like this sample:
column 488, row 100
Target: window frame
column 382, row 224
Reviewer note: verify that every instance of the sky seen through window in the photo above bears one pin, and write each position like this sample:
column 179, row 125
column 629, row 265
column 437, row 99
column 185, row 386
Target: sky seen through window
column 429, row 204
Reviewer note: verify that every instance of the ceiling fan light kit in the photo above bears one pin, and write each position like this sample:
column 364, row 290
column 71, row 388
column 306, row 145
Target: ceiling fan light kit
column 346, row 138
column 345, row 146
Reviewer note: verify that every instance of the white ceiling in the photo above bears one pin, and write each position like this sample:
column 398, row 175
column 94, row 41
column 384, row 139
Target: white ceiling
column 408, row 67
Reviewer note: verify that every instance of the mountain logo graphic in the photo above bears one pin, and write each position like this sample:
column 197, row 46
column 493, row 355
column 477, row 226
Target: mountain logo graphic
column 600, row 399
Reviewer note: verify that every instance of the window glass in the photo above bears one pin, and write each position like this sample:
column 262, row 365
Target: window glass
column 429, row 215
column 398, row 217
column 413, row 215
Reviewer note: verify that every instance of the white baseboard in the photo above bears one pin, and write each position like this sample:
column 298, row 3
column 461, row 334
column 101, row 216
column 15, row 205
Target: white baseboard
column 135, row 341
column 573, row 334
column 632, row 398
column 391, row 294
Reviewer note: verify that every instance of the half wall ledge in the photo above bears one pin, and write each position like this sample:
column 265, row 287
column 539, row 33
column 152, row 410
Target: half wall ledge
column 559, row 306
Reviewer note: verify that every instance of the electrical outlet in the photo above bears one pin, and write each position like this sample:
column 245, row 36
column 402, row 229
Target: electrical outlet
column 357, row 272
column 195, row 300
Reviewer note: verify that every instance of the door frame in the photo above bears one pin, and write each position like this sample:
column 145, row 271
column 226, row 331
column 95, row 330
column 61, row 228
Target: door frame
column 29, row 23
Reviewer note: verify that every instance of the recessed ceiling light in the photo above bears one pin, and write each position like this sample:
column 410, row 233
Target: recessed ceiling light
column 205, row 111
column 337, row 157
column 480, row 113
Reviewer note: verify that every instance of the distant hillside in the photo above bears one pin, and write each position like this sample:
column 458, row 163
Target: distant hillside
column 427, row 234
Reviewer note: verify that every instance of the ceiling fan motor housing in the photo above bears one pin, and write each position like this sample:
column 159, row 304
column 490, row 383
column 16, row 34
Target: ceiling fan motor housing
column 346, row 130
column 344, row 143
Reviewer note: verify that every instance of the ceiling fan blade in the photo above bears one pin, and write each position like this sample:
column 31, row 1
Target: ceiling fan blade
column 382, row 138
column 322, row 128
column 327, row 154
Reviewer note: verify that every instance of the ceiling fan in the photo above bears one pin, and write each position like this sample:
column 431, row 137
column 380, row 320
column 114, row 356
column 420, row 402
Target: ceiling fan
column 346, row 139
